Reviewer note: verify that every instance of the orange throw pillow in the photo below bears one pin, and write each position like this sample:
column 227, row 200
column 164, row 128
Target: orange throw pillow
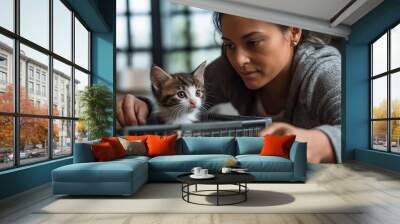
column 277, row 145
column 135, row 137
column 103, row 152
column 116, row 145
column 161, row 145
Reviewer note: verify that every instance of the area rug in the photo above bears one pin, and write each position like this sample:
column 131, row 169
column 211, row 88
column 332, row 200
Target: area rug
column 167, row 198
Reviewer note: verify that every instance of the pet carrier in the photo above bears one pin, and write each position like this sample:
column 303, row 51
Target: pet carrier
column 209, row 125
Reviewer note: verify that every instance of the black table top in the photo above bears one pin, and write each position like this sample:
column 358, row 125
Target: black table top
column 220, row 178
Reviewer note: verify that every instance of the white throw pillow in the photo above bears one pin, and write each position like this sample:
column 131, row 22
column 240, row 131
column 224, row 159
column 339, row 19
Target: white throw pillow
column 136, row 147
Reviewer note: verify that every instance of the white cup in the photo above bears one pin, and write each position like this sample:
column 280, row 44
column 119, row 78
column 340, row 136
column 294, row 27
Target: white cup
column 196, row 171
column 203, row 172
column 226, row 170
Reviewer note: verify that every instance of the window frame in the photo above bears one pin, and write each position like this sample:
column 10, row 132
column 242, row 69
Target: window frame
column 388, row 74
column 16, row 115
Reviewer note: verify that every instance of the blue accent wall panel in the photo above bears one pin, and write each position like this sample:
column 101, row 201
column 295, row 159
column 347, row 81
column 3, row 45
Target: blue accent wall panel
column 356, row 79
column 24, row 178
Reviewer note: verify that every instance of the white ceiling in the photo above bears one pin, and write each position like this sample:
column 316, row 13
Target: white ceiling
column 325, row 16
column 321, row 9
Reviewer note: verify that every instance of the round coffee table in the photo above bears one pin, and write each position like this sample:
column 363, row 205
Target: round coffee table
column 238, row 179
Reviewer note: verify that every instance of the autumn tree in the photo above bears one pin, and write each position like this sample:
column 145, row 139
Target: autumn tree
column 33, row 131
column 380, row 127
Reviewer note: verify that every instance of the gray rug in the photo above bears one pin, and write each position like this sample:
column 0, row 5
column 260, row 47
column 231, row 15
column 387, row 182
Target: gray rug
column 166, row 198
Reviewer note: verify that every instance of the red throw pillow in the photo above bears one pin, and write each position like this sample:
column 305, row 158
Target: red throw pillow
column 116, row 145
column 161, row 145
column 277, row 145
column 103, row 151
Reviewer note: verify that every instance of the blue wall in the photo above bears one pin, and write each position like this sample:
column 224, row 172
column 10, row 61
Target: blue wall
column 356, row 126
column 99, row 15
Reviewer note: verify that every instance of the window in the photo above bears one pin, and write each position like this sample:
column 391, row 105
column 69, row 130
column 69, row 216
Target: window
column 184, row 39
column 3, row 78
column 30, row 72
column 385, row 94
column 3, row 61
column 30, row 87
column 54, row 126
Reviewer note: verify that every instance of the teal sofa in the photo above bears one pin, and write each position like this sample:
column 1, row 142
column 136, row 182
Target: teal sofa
column 125, row 176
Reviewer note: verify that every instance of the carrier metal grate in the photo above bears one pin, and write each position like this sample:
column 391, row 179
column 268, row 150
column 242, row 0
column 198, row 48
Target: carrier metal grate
column 210, row 125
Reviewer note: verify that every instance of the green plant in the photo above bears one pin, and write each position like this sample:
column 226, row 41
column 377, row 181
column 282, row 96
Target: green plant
column 96, row 103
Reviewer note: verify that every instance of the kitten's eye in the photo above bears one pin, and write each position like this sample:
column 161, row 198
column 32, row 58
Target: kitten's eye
column 198, row 93
column 181, row 94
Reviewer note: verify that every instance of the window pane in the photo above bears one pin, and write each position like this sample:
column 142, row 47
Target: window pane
column 7, row 14
column 62, row 89
column 81, row 45
column 177, row 62
column 62, row 138
column 379, row 135
column 121, row 34
column 204, row 55
column 379, row 97
column 395, row 94
column 395, row 47
column 6, row 74
column 33, row 139
column 141, row 31
column 81, row 131
column 167, row 7
column 203, row 31
column 62, row 29
column 395, row 136
column 379, row 56
column 6, row 142
column 141, row 6
column 141, row 60
column 122, row 62
column 174, row 34
column 35, row 21
column 121, row 6
column 81, row 81
column 34, row 78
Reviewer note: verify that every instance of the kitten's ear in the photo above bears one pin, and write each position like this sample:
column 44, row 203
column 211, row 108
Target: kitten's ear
column 199, row 72
column 158, row 76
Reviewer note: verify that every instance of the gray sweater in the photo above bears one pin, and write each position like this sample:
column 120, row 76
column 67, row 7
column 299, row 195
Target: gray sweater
column 314, row 99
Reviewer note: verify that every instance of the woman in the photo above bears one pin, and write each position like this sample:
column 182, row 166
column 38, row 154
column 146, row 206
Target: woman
column 272, row 70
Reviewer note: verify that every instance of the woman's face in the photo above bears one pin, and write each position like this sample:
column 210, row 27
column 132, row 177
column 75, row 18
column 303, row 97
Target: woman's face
column 257, row 50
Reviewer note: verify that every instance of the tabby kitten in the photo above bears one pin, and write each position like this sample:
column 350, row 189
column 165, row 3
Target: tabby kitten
column 179, row 96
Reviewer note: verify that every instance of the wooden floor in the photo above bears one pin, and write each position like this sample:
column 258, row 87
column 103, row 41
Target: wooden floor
column 378, row 188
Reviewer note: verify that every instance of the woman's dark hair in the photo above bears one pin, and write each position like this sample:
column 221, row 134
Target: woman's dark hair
column 217, row 18
column 309, row 36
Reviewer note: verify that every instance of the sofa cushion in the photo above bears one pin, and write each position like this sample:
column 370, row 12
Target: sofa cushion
column 185, row 163
column 208, row 145
column 111, row 171
column 83, row 152
column 257, row 163
column 249, row 145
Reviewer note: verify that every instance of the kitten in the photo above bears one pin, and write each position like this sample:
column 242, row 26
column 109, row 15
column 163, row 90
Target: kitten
column 179, row 96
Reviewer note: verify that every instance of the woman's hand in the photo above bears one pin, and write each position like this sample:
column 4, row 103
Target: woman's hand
column 131, row 111
column 319, row 148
